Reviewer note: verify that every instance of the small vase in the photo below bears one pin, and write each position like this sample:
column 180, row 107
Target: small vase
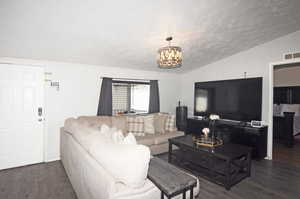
column 212, row 127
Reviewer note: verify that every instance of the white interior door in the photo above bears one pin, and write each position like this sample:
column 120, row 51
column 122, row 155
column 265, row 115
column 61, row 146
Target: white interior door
column 21, row 125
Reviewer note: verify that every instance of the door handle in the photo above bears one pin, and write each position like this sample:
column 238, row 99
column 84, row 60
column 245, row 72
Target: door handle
column 40, row 111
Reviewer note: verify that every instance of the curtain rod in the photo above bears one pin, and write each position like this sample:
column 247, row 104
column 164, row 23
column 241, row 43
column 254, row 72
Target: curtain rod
column 128, row 79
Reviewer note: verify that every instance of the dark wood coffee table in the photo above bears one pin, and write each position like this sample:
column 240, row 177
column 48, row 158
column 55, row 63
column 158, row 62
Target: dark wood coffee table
column 225, row 165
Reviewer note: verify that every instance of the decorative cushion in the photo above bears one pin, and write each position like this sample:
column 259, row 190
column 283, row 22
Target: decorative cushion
column 149, row 124
column 108, row 132
column 136, row 125
column 170, row 124
column 129, row 139
column 159, row 122
column 117, row 136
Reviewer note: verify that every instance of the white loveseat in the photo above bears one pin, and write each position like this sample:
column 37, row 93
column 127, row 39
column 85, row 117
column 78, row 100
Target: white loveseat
column 91, row 180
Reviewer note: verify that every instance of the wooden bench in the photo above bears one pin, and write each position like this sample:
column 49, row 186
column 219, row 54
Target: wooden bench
column 171, row 180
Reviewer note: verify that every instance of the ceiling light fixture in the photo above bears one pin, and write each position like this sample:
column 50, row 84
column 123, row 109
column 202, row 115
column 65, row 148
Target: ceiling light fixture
column 170, row 56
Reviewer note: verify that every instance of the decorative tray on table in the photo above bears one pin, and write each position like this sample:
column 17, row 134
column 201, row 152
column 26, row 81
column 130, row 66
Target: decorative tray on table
column 207, row 141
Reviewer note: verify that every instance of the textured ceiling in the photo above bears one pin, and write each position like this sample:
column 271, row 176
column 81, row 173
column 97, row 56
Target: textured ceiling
column 128, row 33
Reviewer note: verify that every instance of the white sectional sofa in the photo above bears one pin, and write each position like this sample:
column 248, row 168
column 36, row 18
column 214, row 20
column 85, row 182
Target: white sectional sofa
column 93, row 180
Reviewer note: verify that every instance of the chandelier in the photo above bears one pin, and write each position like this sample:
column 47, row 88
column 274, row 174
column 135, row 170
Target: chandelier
column 169, row 56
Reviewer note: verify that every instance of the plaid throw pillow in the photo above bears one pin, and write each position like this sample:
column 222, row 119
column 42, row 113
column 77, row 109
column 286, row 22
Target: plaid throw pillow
column 170, row 123
column 136, row 126
column 160, row 122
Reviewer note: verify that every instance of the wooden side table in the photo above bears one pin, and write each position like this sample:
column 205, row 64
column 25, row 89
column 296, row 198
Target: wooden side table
column 171, row 180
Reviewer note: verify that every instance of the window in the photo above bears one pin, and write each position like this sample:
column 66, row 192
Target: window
column 130, row 97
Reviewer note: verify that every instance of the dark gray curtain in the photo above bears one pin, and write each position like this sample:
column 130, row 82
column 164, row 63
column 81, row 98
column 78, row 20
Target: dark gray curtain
column 105, row 99
column 154, row 97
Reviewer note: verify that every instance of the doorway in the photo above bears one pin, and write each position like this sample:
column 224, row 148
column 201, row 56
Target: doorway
column 21, row 115
column 286, row 113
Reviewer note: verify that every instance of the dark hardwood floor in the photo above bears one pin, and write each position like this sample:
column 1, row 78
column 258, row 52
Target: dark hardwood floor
column 284, row 154
column 40, row 181
column 270, row 179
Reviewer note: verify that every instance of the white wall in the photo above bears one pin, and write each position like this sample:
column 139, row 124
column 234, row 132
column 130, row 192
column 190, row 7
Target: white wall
column 254, row 61
column 79, row 93
column 289, row 76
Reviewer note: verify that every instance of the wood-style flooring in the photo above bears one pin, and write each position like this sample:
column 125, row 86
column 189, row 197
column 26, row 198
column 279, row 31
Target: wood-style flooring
column 270, row 179
column 284, row 154
column 40, row 181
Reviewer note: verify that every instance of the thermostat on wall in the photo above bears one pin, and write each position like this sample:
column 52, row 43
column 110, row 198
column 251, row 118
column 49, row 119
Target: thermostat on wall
column 257, row 124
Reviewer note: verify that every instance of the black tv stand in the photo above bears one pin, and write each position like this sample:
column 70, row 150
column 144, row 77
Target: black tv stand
column 235, row 132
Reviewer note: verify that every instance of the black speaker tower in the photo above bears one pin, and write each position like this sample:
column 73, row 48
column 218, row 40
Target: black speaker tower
column 181, row 117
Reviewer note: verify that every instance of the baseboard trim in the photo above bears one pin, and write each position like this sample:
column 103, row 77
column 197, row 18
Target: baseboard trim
column 268, row 158
column 52, row 160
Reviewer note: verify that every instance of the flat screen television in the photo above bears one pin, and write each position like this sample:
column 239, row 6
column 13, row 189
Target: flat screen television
column 237, row 99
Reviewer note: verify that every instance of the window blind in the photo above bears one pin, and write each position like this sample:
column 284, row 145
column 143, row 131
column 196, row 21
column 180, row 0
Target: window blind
column 120, row 97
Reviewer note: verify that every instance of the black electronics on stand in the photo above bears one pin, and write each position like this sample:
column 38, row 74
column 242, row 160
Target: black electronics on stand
column 181, row 117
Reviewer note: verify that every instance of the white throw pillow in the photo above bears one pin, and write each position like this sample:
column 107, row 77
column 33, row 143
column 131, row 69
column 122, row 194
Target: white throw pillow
column 107, row 131
column 117, row 136
column 149, row 124
column 129, row 139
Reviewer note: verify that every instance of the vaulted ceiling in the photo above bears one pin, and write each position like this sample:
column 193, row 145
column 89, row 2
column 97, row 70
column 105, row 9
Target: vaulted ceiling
column 129, row 33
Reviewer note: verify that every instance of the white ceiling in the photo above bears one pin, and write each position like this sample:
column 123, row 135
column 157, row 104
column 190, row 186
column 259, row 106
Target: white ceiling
column 128, row 33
